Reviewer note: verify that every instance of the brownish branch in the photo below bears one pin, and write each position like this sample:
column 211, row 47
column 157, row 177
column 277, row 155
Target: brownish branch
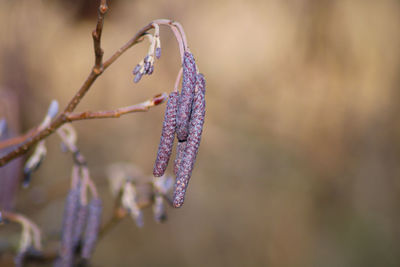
column 98, row 51
column 144, row 106
column 18, row 139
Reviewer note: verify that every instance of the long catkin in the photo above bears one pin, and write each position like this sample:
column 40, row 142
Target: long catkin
column 193, row 142
column 186, row 96
column 167, row 136
column 92, row 227
column 69, row 219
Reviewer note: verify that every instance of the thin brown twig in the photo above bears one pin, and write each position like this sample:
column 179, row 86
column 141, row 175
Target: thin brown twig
column 98, row 51
column 18, row 139
column 141, row 107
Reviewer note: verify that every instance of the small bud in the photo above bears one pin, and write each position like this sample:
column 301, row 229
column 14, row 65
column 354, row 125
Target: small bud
column 53, row 109
column 138, row 77
column 138, row 217
column 151, row 70
column 147, row 66
column 92, row 227
column 167, row 136
column 129, row 202
column 34, row 162
column 3, row 126
column 160, row 214
column 158, row 52
column 136, row 69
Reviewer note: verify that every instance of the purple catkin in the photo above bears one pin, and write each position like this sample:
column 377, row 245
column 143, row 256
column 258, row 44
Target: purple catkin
column 136, row 69
column 193, row 142
column 80, row 224
column 158, row 52
column 186, row 96
column 92, row 227
column 180, row 151
column 70, row 213
column 167, row 136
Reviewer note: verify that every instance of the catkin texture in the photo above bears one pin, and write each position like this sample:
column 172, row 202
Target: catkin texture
column 180, row 151
column 92, row 227
column 186, row 96
column 167, row 136
column 70, row 214
column 193, row 142
column 80, row 223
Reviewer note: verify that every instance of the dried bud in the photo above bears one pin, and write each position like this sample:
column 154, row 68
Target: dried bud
column 3, row 126
column 180, row 151
column 193, row 142
column 34, row 162
column 130, row 202
column 138, row 217
column 92, row 227
column 158, row 52
column 167, row 136
column 186, row 96
column 151, row 70
column 69, row 219
column 147, row 66
column 53, row 109
column 160, row 214
column 136, row 69
column 138, row 77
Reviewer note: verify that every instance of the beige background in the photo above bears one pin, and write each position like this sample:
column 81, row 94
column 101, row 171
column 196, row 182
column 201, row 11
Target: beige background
column 299, row 162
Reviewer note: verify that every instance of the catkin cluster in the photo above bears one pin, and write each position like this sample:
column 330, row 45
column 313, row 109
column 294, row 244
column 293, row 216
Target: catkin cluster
column 184, row 116
column 81, row 224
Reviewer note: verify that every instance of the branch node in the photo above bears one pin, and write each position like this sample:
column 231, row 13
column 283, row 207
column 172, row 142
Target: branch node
column 94, row 34
column 98, row 70
column 103, row 9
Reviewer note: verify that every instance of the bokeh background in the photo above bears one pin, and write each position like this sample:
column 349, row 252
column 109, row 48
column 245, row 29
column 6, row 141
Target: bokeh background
column 299, row 162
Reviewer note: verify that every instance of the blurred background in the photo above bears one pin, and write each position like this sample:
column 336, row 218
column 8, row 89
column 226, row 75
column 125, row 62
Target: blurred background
column 299, row 161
